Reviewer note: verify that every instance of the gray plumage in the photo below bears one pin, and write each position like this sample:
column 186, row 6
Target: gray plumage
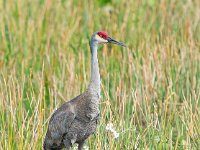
column 73, row 122
column 77, row 119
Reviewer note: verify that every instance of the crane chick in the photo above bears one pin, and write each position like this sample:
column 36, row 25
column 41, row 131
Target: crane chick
column 77, row 119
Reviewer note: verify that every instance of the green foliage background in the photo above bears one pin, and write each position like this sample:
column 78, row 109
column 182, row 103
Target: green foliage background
column 150, row 90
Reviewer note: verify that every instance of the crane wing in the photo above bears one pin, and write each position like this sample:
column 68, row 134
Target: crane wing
column 61, row 121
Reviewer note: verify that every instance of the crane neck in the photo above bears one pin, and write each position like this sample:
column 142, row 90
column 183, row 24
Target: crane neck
column 95, row 76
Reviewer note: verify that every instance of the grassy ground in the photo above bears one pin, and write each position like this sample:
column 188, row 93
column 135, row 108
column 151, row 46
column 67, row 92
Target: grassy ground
column 150, row 91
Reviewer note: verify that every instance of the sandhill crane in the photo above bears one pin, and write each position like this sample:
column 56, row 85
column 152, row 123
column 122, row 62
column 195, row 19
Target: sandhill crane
column 77, row 119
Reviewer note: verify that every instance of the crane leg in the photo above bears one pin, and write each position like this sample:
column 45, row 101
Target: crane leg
column 68, row 144
column 80, row 145
column 52, row 148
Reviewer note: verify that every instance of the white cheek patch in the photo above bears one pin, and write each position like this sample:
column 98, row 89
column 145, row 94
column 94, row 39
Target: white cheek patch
column 100, row 40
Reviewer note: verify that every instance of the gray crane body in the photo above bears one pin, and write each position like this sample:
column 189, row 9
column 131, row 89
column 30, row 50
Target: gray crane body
column 76, row 119
column 73, row 122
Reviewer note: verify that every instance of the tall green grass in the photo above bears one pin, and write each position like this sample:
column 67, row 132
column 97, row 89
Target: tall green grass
column 150, row 90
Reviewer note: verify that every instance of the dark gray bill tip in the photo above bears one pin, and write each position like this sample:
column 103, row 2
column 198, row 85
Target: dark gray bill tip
column 110, row 40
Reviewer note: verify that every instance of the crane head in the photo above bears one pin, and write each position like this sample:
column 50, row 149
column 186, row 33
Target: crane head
column 102, row 37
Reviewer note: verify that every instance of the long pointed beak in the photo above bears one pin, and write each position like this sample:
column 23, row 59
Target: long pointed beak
column 110, row 40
